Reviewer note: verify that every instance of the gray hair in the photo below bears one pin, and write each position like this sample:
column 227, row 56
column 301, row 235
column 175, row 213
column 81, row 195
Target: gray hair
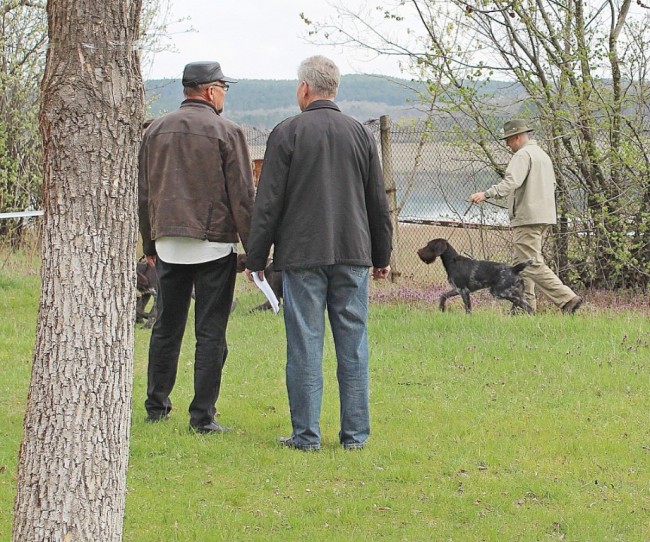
column 190, row 92
column 321, row 74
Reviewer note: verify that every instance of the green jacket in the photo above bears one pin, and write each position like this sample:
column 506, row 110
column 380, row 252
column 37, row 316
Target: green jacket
column 529, row 185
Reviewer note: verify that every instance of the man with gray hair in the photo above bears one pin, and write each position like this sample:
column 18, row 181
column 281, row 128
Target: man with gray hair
column 529, row 185
column 321, row 202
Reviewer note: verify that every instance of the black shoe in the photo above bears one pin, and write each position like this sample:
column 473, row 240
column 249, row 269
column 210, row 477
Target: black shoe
column 155, row 418
column 572, row 306
column 212, row 427
column 288, row 442
column 354, row 445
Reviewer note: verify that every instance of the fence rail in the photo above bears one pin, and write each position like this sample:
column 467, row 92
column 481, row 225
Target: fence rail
column 21, row 214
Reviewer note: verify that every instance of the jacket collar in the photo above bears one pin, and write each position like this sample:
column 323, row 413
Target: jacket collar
column 194, row 101
column 322, row 104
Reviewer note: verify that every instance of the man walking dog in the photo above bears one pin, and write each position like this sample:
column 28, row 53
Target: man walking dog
column 195, row 201
column 529, row 185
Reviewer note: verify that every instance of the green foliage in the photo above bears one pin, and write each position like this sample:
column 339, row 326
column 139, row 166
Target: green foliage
column 583, row 71
column 486, row 427
column 22, row 39
column 23, row 42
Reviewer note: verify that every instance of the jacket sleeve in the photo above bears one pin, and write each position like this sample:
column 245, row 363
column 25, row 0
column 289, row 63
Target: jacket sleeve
column 238, row 174
column 381, row 228
column 514, row 177
column 148, row 244
column 269, row 201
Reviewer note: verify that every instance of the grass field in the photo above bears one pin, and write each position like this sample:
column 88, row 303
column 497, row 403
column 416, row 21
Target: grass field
column 485, row 428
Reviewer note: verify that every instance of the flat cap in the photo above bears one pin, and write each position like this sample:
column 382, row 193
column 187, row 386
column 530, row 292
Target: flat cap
column 514, row 127
column 197, row 73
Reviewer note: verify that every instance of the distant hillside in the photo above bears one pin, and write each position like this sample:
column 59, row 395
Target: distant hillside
column 264, row 103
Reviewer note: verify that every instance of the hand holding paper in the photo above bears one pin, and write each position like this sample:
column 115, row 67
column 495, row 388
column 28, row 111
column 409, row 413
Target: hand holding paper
column 268, row 292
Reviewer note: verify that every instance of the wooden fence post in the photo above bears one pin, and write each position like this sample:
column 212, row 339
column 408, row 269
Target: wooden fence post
column 391, row 191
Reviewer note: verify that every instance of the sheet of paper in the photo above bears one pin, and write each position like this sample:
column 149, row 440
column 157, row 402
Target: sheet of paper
column 268, row 292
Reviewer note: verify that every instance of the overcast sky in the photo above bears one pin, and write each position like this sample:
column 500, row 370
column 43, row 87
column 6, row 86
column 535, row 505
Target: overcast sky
column 256, row 39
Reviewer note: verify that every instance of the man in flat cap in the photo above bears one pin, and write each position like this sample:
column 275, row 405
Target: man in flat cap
column 195, row 203
column 529, row 185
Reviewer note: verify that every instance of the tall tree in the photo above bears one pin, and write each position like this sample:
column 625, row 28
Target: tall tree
column 73, row 458
column 580, row 69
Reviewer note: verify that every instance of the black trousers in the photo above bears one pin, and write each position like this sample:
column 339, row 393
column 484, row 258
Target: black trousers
column 214, row 284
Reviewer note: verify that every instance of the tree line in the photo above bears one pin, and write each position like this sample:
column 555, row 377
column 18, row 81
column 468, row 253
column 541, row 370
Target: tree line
column 265, row 102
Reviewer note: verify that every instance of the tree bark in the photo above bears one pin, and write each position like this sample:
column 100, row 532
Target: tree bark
column 74, row 455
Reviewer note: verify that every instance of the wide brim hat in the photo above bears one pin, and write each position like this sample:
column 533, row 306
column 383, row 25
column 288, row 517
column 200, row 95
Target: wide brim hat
column 514, row 127
column 199, row 73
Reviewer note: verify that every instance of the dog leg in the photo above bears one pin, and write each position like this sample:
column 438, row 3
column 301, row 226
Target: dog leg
column 445, row 296
column 522, row 304
column 518, row 303
column 266, row 306
column 153, row 313
column 464, row 294
column 141, row 313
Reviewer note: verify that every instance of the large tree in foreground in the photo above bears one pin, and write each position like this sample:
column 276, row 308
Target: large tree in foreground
column 579, row 69
column 73, row 459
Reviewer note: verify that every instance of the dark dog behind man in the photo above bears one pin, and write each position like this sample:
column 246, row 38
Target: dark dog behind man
column 468, row 275
column 147, row 286
column 274, row 278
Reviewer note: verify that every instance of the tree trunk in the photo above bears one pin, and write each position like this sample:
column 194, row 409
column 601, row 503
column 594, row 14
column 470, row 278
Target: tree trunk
column 74, row 454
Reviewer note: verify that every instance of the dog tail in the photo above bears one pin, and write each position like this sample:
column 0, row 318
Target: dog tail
column 516, row 269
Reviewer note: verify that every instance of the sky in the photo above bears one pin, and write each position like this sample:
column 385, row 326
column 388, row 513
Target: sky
column 256, row 39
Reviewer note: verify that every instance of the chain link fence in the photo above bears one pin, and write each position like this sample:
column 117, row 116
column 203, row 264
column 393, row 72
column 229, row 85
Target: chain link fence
column 433, row 179
column 430, row 171
column 429, row 179
column 430, row 174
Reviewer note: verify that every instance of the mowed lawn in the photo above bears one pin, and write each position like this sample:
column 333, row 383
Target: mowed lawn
column 484, row 428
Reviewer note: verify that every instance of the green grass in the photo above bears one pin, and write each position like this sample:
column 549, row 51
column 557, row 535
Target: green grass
column 485, row 428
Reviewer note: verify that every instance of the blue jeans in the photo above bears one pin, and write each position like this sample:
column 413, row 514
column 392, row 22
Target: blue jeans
column 343, row 290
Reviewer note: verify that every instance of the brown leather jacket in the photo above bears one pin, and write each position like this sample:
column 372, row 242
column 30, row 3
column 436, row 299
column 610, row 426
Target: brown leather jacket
column 195, row 178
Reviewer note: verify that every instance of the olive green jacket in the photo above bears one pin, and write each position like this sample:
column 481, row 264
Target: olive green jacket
column 529, row 185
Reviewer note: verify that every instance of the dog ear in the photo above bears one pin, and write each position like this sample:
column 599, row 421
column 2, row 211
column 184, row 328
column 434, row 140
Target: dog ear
column 439, row 246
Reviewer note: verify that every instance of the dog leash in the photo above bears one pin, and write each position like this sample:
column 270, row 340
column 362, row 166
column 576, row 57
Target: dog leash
column 462, row 221
column 469, row 207
column 485, row 201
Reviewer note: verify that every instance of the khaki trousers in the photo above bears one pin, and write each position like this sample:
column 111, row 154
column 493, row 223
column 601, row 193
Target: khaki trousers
column 528, row 246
